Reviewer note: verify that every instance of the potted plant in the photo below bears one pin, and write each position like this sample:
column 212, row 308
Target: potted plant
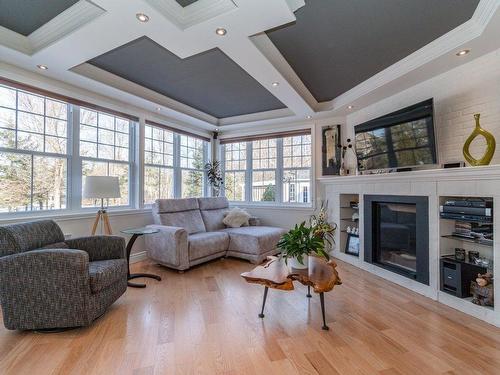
column 323, row 228
column 214, row 176
column 299, row 242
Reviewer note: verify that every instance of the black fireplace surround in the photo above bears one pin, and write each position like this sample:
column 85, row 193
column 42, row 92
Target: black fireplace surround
column 397, row 234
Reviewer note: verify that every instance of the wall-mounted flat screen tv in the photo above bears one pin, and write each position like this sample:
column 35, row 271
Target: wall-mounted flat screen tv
column 401, row 139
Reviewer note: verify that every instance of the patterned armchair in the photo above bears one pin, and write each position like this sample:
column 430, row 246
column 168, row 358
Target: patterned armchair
column 49, row 283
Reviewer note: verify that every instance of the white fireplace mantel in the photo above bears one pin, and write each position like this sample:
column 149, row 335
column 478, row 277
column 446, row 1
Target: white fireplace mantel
column 434, row 183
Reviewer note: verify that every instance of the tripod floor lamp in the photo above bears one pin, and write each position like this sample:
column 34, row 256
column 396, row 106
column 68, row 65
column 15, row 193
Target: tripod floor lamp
column 101, row 187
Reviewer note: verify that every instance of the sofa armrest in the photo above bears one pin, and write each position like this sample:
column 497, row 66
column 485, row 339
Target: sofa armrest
column 38, row 288
column 100, row 247
column 169, row 246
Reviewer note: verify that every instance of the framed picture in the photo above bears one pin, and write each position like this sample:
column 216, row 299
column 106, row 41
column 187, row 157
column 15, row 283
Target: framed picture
column 352, row 244
column 331, row 153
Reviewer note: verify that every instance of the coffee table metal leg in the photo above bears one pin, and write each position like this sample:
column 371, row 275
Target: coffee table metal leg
column 308, row 295
column 261, row 315
column 322, row 299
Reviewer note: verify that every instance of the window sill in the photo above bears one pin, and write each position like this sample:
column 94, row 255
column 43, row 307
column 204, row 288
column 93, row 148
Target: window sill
column 271, row 206
column 68, row 215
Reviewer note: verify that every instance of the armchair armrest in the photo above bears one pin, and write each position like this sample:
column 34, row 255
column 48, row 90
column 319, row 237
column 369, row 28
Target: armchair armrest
column 100, row 247
column 37, row 288
column 169, row 246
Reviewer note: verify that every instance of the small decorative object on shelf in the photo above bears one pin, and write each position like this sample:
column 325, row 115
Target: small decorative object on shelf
column 331, row 153
column 473, row 255
column 347, row 149
column 460, row 254
column 354, row 205
column 355, row 216
column 214, row 176
column 490, row 145
column 482, row 290
column 352, row 244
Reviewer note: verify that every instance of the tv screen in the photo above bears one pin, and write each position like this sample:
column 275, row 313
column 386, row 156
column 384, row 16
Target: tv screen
column 404, row 138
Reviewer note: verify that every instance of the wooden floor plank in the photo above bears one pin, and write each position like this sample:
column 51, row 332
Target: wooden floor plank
column 205, row 322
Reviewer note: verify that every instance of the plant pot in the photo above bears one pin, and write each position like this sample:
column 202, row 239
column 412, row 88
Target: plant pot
column 294, row 263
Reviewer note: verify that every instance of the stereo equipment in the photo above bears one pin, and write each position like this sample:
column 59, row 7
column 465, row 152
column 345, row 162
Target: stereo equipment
column 482, row 203
column 475, row 218
column 456, row 276
column 479, row 211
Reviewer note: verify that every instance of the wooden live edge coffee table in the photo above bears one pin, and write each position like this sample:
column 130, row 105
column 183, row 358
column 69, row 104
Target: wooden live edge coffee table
column 321, row 275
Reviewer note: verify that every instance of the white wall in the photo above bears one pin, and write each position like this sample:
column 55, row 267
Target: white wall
column 458, row 94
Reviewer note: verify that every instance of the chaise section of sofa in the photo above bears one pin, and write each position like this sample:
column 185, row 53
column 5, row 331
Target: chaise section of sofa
column 191, row 232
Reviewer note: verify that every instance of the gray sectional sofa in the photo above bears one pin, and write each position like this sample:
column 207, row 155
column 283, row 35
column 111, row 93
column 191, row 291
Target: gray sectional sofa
column 191, row 232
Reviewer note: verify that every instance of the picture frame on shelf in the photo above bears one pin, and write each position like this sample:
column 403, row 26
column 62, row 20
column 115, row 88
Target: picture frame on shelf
column 331, row 153
column 352, row 244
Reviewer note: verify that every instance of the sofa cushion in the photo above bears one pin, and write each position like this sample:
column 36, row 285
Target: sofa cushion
column 213, row 203
column 236, row 218
column 213, row 219
column 104, row 273
column 183, row 213
column 253, row 240
column 205, row 244
column 213, row 211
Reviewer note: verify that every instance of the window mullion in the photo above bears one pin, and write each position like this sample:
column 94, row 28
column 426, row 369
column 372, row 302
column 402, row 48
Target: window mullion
column 75, row 173
column 279, row 170
column 177, row 166
column 249, row 173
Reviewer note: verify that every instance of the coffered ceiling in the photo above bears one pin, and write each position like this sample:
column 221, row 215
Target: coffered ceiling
column 280, row 62
column 26, row 16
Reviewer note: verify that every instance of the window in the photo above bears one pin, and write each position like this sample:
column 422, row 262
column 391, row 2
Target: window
column 173, row 164
column 159, row 164
column 192, row 162
column 235, row 166
column 280, row 169
column 264, row 170
column 105, row 151
column 296, row 168
column 33, row 152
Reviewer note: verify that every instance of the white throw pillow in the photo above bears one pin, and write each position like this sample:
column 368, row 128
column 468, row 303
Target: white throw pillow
column 236, row 218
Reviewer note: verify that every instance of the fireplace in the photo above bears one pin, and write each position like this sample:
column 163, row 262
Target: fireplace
column 397, row 234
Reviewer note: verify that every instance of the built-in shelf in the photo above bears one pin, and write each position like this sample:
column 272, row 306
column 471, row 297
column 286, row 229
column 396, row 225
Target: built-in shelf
column 470, row 240
column 352, row 208
column 349, row 219
column 468, row 221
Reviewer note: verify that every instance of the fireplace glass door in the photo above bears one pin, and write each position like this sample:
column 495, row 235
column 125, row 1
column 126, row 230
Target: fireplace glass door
column 396, row 227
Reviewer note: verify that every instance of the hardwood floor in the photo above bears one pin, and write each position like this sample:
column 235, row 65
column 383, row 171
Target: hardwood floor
column 205, row 322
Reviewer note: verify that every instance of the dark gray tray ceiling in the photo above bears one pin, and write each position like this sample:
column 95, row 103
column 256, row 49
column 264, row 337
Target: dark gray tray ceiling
column 209, row 81
column 336, row 44
column 26, row 16
column 185, row 3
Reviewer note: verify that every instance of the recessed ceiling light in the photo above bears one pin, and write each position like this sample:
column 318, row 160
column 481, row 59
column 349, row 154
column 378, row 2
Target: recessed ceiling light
column 463, row 52
column 275, row 84
column 158, row 109
column 216, row 129
column 142, row 17
column 309, row 117
column 220, row 31
column 42, row 67
column 350, row 107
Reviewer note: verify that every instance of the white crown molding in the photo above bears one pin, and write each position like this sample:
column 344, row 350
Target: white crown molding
column 270, row 52
column 60, row 26
column 193, row 14
column 15, row 41
column 110, row 79
column 64, row 23
column 267, row 115
column 294, row 5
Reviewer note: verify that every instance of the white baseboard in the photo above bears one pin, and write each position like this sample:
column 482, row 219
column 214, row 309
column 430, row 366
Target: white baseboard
column 137, row 257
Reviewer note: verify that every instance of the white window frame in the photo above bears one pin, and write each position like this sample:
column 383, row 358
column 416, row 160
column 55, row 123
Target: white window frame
column 132, row 170
column 33, row 154
column 279, row 177
column 245, row 171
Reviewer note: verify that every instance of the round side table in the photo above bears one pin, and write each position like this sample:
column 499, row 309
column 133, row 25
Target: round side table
column 136, row 232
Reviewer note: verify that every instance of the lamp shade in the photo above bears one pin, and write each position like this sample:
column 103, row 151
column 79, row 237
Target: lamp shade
column 101, row 187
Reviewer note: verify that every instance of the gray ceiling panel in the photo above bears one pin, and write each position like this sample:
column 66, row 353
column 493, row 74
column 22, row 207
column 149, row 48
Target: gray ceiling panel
column 26, row 16
column 185, row 3
column 209, row 81
column 336, row 44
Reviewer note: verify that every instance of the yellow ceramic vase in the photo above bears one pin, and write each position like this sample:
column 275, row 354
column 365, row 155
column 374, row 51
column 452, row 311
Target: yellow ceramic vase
column 490, row 145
